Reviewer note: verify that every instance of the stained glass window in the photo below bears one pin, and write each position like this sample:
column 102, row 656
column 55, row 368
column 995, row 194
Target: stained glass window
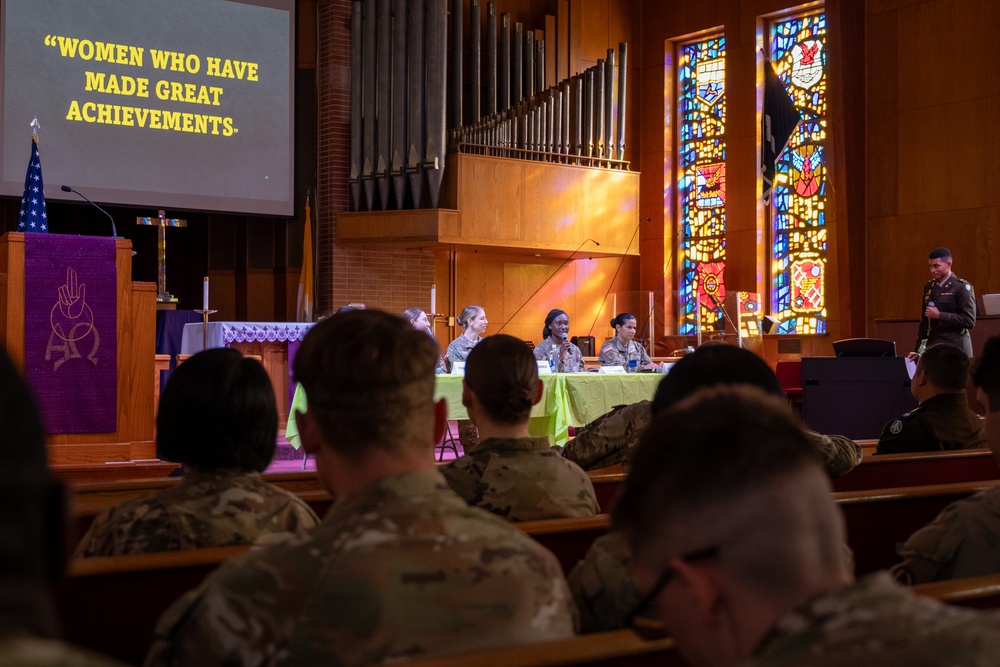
column 701, row 183
column 798, row 202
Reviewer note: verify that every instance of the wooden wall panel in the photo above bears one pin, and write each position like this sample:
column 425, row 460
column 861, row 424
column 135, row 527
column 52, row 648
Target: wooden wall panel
column 222, row 294
column 932, row 114
column 260, row 295
column 546, row 206
column 517, row 292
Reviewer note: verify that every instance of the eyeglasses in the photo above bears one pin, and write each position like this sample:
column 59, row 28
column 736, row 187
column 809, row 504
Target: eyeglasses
column 661, row 583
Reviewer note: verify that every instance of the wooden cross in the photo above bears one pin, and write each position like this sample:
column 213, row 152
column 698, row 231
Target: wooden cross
column 162, row 222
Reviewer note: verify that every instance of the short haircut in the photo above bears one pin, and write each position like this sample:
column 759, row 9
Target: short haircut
column 940, row 253
column 946, row 366
column 467, row 314
column 549, row 319
column 711, row 449
column 411, row 314
column 24, row 483
column 503, row 374
column 986, row 374
column 217, row 412
column 621, row 319
column 711, row 365
column 369, row 382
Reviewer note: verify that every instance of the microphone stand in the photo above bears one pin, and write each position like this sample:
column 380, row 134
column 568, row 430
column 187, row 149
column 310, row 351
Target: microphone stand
column 114, row 230
column 725, row 316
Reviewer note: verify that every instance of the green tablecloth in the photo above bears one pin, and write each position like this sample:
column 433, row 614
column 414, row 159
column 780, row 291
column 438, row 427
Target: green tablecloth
column 568, row 399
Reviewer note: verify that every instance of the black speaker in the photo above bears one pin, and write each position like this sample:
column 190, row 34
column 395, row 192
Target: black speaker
column 585, row 343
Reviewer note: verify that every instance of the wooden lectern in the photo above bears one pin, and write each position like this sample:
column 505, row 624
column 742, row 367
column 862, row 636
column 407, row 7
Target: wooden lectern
column 136, row 334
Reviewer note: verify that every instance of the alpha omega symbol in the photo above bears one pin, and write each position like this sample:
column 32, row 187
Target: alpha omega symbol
column 72, row 323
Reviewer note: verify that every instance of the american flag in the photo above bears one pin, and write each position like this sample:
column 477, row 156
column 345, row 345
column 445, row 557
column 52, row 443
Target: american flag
column 32, row 217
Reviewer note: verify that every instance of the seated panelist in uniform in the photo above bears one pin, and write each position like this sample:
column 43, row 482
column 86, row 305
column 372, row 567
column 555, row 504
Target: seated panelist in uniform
column 510, row 473
column 622, row 348
column 218, row 417
column 943, row 419
column 555, row 348
column 473, row 322
column 418, row 319
column 401, row 567
column 949, row 308
column 964, row 539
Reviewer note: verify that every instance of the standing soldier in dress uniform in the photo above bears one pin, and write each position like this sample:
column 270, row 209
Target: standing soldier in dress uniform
column 949, row 308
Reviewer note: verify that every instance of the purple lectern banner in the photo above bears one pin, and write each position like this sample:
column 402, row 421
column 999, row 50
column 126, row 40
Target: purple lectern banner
column 70, row 331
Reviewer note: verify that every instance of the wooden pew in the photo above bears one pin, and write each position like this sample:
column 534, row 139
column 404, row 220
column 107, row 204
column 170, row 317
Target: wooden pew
column 568, row 539
column 604, row 649
column 111, row 605
column 877, row 520
column 981, row 592
column 607, row 486
column 898, row 470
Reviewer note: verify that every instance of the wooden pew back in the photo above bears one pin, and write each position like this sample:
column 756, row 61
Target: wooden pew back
column 622, row 648
column 879, row 519
column 981, row 592
column 898, row 470
column 111, row 605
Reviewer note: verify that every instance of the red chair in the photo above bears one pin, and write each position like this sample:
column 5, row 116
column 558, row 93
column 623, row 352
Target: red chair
column 790, row 378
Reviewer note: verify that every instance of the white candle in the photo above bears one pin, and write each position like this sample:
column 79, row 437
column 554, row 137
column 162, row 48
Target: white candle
column 204, row 295
column 434, row 294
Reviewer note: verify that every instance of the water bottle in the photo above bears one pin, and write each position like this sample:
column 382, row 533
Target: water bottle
column 633, row 363
column 554, row 359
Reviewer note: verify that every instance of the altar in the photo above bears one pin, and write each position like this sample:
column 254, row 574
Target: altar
column 274, row 342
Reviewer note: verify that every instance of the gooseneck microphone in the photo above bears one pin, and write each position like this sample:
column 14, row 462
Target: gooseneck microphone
column 114, row 230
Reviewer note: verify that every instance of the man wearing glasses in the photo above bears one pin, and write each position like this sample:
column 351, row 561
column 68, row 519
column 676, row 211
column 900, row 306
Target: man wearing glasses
column 738, row 549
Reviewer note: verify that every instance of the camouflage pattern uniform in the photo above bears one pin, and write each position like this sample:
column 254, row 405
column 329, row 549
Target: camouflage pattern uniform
column 572, row 363
column 963, row 541
column 942, row 422
column 837, row 453
column 207, row 509
column 602, row 584
column 877, row 622
column 26, row 651
column 522, row 479
column 613, row 353
column 610, row 439
column 459, row 348
column 400, row 568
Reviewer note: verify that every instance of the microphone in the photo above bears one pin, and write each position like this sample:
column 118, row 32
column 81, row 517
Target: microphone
column 114, row 230
column 564, row 336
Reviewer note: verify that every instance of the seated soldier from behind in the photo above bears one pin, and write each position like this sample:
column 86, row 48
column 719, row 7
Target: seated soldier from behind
column 737, row 545
column 510, row 473
column 400, row 566
column 943, row 419
column 218, row 417
column 602, row 586
column 30, row 525
column 964, row 539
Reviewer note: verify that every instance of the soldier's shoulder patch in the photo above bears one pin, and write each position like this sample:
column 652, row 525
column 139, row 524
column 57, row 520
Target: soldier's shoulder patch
column 896, row 427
